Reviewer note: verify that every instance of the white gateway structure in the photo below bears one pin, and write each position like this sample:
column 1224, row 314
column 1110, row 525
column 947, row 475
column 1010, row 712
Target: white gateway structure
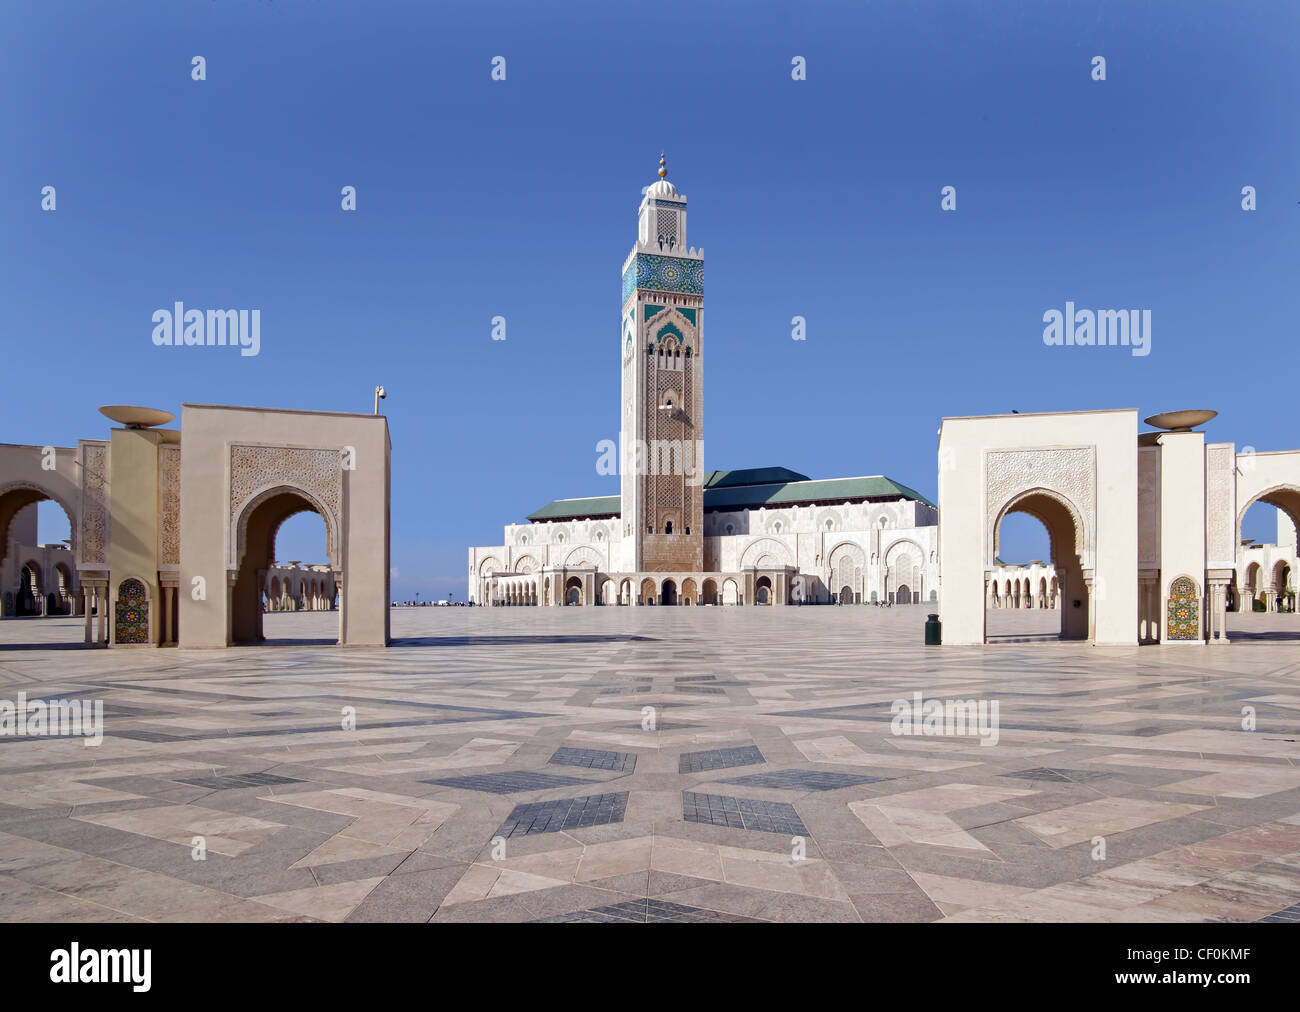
column 1144, row 527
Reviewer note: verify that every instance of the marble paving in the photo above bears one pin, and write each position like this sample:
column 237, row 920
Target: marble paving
column 633, row 765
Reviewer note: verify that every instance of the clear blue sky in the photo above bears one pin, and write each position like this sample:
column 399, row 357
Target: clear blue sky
column 478, row 198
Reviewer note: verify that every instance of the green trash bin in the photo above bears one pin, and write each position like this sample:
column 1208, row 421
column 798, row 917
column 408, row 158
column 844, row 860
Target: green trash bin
column 932, row 631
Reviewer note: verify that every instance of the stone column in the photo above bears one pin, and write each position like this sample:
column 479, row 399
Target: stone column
column 1092, row 609
column 343, row 608
column 164, row 612
column 1148, row 618
column 170, row 613
column 1217, row 581
column 86, row 600
column 102, row 606
column 231, row 577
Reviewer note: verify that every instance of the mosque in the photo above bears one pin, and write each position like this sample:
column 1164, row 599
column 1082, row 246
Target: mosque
column 679, row 535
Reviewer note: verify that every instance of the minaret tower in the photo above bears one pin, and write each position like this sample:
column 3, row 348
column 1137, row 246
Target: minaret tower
column 663, row 389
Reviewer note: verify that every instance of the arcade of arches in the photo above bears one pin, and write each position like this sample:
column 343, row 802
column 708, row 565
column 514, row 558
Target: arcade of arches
column 1144, row 525
column 148, row 565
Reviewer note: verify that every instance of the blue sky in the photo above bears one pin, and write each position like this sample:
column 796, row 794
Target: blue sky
column 817, row 198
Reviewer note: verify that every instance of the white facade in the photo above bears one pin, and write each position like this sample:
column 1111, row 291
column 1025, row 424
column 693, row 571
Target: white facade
column 855, row 553
column 1029, row 586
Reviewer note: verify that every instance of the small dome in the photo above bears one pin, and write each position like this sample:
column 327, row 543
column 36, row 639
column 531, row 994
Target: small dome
column 662, row 188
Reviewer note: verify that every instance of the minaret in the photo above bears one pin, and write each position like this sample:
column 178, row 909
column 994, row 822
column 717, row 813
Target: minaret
column 663, row 389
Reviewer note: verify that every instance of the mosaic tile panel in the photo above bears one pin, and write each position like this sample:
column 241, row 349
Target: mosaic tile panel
column 131, row 619
column 663, row 274
column 1184, row 609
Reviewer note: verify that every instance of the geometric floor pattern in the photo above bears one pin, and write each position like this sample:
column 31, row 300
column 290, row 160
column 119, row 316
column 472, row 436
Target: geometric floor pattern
column 517, row 782
column 645, row 911
column 742, row 813
column 718, row 759
column 1059, row 776
column 803, row 780
column 1291, row 915
column 564, row 813
column 231, row 785
column 594, row 759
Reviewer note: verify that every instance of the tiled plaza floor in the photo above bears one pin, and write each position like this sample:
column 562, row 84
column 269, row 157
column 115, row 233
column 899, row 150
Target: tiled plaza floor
column 531, row 727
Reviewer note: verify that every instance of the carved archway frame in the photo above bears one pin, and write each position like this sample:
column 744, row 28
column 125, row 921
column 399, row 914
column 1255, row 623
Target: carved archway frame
column 260, row 472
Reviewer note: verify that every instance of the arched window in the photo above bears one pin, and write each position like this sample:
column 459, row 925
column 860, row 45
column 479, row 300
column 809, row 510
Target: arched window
column 668, row 527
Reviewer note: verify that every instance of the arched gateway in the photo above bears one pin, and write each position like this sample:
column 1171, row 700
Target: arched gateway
column 173, row 532
column 1145, row 528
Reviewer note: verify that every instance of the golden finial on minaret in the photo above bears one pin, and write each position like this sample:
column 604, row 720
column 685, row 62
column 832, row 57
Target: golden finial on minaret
column 663, row 172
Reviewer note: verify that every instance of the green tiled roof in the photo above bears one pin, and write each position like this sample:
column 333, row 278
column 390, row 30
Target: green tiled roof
column 569, row 509
column 828, row 490
column 752, row 476
column 732, row 493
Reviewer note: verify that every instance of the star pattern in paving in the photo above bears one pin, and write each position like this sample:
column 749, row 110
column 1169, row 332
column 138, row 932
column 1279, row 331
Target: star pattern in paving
column 502, row 768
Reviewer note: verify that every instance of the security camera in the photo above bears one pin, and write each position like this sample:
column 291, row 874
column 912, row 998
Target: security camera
column 381, row 392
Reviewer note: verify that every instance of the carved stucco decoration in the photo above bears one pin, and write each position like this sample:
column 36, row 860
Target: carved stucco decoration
column 1220, row 511
column 93, row 546
column 672, row 315
column 846, row 549
column 1149, row 509
column 754, row 553
column 525, row 564
column 258, row 473
column 489, row 566
column 902, row 549
column 1068, row 474
column 584, row 557
column 169, row 505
